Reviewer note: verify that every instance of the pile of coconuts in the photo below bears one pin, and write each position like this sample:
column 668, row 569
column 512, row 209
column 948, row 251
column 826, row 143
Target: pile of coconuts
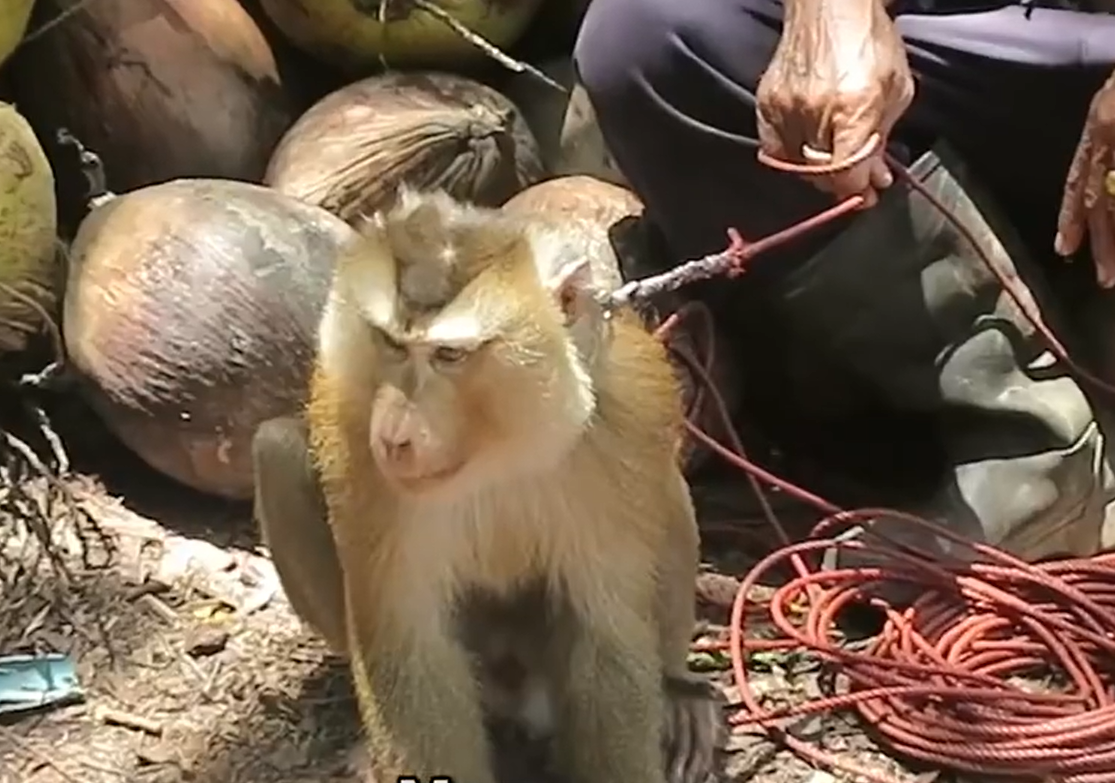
column 181, row 176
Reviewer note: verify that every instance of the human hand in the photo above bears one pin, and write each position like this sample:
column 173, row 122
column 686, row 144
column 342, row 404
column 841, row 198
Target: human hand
column 1088, row 204
column 838, row 82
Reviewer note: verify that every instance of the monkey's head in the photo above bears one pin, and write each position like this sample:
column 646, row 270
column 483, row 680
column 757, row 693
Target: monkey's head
column 465, row 342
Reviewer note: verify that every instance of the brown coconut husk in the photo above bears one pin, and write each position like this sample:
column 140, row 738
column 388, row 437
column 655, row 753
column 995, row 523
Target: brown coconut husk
column 160, row 89
column 594, row 212
column 190, row 314
column 352, row 150
column 606, row 219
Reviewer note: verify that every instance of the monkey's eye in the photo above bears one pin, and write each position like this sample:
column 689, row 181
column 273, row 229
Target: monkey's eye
column 390, row 344
column 448, row 355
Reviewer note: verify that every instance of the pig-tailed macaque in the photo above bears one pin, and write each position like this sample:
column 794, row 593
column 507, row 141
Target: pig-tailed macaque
column 496, row 458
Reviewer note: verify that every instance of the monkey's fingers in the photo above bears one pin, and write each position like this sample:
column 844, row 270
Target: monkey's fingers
column 680, row 744
column 702, row 724
column 697, row 728
column 708, row 740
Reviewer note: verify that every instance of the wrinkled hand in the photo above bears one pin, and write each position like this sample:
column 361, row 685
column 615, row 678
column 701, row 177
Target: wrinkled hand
column 838, row 77
column 1088, row 205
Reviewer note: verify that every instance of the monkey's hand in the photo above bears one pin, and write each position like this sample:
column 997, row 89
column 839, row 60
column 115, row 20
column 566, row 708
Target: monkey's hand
column 694, row 729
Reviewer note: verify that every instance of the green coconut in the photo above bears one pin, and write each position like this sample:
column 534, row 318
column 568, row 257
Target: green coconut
column 189, row 316
column 13, row 24
column 360, row 35
column 29, row 272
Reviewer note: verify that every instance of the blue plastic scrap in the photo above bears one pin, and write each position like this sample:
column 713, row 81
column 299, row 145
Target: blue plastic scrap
column 31, row 682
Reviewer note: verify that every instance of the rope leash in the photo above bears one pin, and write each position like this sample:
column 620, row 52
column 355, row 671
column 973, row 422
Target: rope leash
column 934, row 685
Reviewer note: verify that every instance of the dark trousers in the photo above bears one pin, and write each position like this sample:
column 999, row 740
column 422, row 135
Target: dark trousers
column 672, row 83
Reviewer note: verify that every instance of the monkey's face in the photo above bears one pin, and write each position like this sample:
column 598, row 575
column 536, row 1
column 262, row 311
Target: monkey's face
column 472, row 395
column 470, row 338
column 418, row 433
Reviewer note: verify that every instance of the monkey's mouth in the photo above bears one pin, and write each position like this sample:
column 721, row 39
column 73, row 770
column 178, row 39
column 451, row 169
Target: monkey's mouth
column 416, row 481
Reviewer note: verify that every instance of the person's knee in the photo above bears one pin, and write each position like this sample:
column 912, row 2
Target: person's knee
column 622, row 41
column 632, row 51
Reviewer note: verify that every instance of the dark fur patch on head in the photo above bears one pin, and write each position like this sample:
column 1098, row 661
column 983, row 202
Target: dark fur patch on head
column 441, row 245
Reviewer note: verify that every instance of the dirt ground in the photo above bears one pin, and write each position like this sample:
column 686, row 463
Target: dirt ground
column 195, row 669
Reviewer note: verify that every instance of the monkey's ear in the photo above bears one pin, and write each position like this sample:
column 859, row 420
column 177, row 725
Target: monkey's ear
column 571, row 286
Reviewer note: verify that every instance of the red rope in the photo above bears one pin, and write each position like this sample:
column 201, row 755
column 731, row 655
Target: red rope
column 935, row 684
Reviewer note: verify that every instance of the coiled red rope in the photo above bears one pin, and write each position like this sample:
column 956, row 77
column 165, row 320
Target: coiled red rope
column 936, row 683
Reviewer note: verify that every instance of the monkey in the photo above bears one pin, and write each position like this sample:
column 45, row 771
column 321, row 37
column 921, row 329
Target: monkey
column 506, row 639
column 290, row 507
column 472, row 405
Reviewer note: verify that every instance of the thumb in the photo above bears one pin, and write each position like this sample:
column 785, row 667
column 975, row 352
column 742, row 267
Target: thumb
column 849, row 138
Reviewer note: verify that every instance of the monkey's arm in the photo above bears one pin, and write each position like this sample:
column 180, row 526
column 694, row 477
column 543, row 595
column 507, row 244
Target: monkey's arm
column 418, row 697
column 290, row 510
column 610, row 714
column 694, row 717
column 677, row 574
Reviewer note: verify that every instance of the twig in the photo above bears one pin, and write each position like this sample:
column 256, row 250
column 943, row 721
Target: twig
column 381, row 17
column 128, row 720
column 159, row 608
column 39, row 513
column 50, row 24
column 57, row 366
column 61, row 458
column 484, row 45
column 637, row 291
column 91, row 166
column 474, row 38
column 40, row 526
column 42, row 758
column 730, row 261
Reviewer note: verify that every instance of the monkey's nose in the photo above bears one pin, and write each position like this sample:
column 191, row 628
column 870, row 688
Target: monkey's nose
column 399, row 450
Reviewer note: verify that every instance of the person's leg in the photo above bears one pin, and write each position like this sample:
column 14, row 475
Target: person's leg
column 1010, row 93
column 672, row 84
column 928, row 333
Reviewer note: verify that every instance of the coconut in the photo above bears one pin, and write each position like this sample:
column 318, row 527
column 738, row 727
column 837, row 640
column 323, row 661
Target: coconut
column 569, row 137
column 591, row 210
column 605, row 218
column 189, row 317
column 14, row 15
column 351, row 150
column 359, row 35
column 577, row 196
column 160, row 89
column 29, row 274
